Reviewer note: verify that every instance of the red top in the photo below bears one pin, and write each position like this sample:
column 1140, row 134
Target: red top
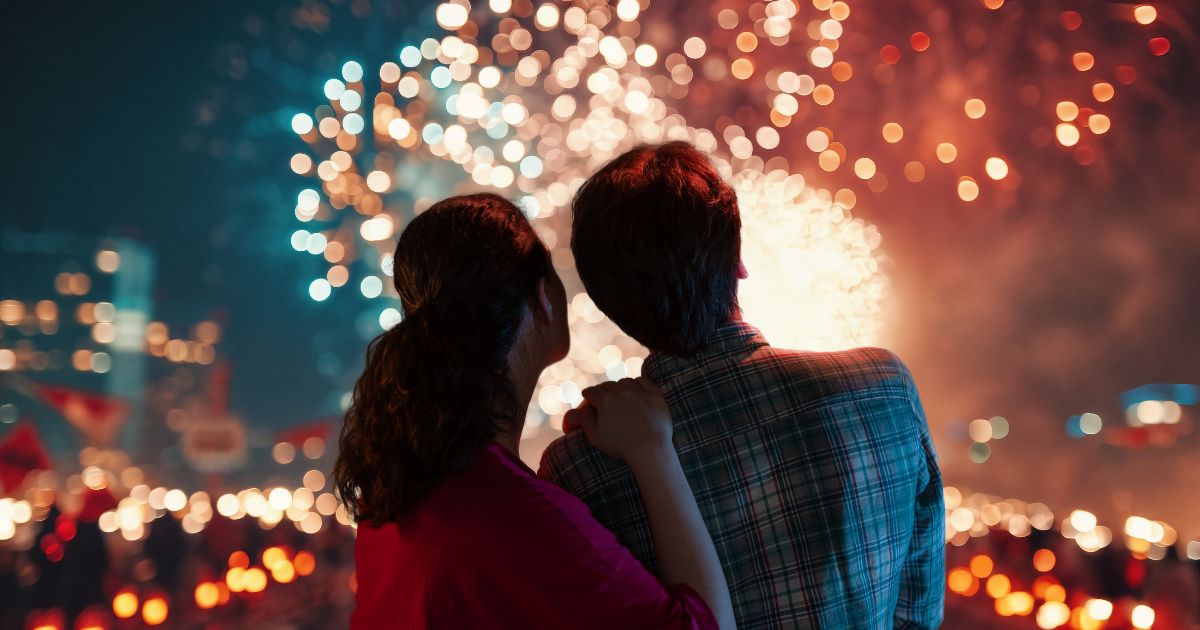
column 496, row 547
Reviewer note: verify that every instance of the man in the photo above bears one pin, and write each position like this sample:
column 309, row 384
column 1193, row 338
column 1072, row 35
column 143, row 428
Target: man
column 814, row 471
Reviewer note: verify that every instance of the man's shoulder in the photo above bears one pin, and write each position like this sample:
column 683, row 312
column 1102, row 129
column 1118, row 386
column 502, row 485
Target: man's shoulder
column 571, row 460
column 858, row 370
column 566, row 448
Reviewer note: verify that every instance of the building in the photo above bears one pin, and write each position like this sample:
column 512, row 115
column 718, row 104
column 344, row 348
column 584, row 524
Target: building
column 74, row 315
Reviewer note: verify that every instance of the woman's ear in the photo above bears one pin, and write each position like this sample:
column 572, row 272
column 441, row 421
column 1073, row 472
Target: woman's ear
column 543, row 310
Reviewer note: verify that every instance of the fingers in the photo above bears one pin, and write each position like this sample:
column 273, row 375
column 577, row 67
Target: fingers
column 594, row 394
column 600, row 391
column 573, row 419
column 588, row 422
column 597, row 394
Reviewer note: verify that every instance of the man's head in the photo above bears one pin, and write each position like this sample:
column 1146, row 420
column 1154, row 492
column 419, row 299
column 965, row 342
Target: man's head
column 657, row 242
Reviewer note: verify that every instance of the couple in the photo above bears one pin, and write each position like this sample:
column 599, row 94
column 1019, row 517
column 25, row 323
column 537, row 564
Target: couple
column 733, row 485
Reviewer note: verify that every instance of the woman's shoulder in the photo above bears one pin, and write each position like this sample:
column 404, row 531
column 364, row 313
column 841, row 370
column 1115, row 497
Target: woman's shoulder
column 518, row 482
column 538, row 510
column 494, row 509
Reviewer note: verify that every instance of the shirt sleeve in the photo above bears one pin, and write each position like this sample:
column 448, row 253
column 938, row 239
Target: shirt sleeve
column 566, row 570
column 922, row 579
column 553, row 467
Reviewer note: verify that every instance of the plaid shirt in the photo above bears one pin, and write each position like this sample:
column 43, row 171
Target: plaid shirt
column 814, row 472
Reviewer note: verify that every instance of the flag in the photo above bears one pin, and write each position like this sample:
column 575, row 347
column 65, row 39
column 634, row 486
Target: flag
column 21, row 452
column 97, row 416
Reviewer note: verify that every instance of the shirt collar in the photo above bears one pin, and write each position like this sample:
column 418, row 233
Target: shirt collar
column 732, row 338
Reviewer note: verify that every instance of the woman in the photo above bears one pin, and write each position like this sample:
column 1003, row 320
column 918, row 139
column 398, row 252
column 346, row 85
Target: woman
column 454, row 531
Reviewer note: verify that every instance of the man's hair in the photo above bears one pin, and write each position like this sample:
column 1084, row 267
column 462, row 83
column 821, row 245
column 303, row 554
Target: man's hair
column 657, row 241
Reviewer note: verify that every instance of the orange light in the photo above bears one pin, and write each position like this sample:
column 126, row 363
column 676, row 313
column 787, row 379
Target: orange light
column 255, row 580
column 742, row 68
column 747, row 41
column 305, row 563
column 1066, row 111
column 207, row 595
column 1020, row 603
column 919, row 41
column 914, row 171
column 946, row 152
column 1043, row 560
column 975, row 108
column 1067, row 134
column 1041, row 584
column 239, row 560
column 1145, row 14
column 283, row 572
column 998, row 585
column 981, row 566
column 1142, row 617
column 1071, row 20
column 1054, row 614
column 1083, row 61
column 273, row 556
column 1055, row 593
column 823, row 95
column 968, row 188
column 893, row 132
column 960, row 581
column 889, row 54
column 996, row 168
column 842, row 71
column 1099, row 609
column 154, row 611
column 125, row 604
column 235, row 579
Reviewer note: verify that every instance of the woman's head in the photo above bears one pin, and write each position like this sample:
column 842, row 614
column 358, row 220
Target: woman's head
column 478, row 292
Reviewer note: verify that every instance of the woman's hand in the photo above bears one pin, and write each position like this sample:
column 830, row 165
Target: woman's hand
column 630, row 419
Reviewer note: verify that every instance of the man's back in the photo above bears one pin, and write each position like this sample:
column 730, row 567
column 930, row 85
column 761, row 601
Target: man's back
column 814, row 472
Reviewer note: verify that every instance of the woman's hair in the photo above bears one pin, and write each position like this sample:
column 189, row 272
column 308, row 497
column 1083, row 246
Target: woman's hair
column 435, row 387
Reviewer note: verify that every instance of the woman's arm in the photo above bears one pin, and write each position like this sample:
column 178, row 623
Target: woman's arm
column 632, row 423
column 683, row 549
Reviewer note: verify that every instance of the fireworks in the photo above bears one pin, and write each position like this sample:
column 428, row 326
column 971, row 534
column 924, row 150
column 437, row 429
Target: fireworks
column 529, row 99
column 959, row 98
column 532, row 125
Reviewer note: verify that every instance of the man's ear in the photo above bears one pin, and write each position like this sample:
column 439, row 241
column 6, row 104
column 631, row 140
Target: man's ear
column 742, row 274
column 542, row 308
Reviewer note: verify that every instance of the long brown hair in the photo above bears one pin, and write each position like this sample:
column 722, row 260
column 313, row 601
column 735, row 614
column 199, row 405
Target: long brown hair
column 435, row 387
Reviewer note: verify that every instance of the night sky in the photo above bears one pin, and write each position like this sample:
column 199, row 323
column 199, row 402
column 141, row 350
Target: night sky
column 167, row 122
column 108, row 108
